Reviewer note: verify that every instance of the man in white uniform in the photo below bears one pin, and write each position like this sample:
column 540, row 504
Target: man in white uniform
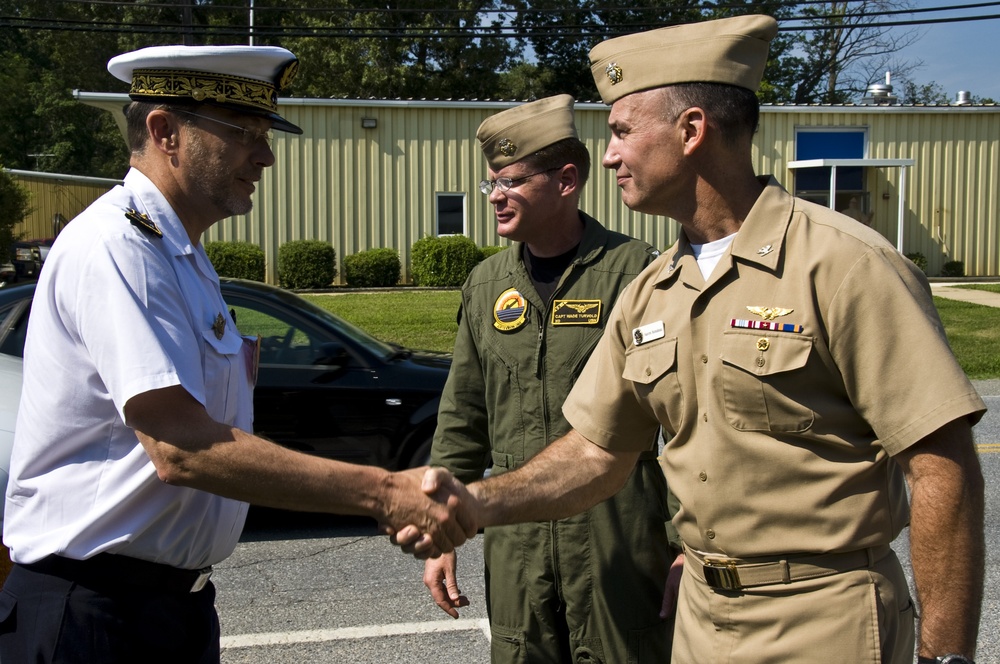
column 132, row 465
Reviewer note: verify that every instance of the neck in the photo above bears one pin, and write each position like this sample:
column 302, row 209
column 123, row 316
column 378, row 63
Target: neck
column 559, row 238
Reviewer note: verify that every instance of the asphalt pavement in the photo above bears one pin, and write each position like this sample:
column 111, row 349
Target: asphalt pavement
column 296, row 592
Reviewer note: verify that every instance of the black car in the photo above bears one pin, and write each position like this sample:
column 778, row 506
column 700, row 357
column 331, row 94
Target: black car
column 28, row 256
column 324, row 387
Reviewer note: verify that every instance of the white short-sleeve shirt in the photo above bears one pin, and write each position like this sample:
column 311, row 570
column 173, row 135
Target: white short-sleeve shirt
column 119, row 312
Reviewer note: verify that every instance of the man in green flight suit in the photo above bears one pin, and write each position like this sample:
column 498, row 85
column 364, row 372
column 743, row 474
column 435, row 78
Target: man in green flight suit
column 588, row 588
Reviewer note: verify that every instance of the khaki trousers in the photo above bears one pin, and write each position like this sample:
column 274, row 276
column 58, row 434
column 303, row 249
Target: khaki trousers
column 861, row 616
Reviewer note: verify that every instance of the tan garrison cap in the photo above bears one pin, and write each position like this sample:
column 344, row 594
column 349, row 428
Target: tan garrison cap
column 242, row 78
column 728, row 50
column 514, row 134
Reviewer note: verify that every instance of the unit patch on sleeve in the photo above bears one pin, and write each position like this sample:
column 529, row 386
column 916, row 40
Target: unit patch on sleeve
column 576, row 312
column 510, row 311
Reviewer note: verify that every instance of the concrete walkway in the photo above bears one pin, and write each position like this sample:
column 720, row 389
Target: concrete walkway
column 949, row 290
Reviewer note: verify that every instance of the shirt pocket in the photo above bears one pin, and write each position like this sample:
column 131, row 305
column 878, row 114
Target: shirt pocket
column 765, row 381
column 225, row 376
column 652, row 370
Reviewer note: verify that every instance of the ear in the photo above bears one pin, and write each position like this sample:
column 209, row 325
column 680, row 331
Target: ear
column 694, row 129
column 568, row 179
column 163, row 129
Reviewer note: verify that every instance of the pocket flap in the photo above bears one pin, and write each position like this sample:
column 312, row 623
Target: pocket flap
column 648, row 362
column 229, row 344
column 765, row 354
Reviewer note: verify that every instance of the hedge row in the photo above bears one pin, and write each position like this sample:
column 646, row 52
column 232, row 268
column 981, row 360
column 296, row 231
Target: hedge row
column 309, row 264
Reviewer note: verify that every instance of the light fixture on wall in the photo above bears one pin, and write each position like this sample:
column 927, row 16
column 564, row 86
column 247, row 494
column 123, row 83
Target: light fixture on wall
column 369, row 123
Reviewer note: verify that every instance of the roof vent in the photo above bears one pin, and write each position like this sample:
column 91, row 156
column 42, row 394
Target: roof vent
column 964, row 98
column 880, row 94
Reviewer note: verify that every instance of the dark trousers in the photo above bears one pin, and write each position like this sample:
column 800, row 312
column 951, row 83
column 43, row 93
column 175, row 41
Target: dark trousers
column 45, row 618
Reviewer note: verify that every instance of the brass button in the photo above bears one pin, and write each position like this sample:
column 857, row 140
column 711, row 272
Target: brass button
column 761, row 361
column 704, row 359
column 710, row 533
column 703, row 476
column 648, row 371
column 763, row 344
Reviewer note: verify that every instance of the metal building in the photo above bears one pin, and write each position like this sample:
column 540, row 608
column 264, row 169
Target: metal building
column 384, row 173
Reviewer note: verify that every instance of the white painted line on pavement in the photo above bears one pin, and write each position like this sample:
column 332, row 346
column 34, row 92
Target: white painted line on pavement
column 346, row 633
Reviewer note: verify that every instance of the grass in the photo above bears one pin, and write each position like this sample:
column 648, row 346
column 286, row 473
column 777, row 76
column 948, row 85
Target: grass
column 418, row 319
column 425, row 319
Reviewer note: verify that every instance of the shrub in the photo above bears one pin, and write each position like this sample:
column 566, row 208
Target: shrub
column 919, row 260
column 373, row 268
column 953, row 269
column 238, row 260
column 306, row 264
column 489, row 251
column 443, row 261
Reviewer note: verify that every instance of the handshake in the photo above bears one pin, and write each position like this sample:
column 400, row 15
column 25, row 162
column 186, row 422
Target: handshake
column 427, row 512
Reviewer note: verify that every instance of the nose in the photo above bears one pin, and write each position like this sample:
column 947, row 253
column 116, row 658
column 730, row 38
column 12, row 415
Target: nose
column 496, row 195
column 611, row 157
column 262, row 154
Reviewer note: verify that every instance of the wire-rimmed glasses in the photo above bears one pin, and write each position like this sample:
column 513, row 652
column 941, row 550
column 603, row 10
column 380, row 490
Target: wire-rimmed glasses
column 503, row 184
column 247, row 136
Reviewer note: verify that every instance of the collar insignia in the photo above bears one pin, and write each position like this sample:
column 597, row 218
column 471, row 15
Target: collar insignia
column 219, row 326
column 143, row 222
column 769, row 313
column 614, row 72
column 765, row 250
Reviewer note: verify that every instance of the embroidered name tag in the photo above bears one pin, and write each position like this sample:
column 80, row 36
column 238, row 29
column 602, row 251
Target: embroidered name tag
column 576, row 312
column 647, row 333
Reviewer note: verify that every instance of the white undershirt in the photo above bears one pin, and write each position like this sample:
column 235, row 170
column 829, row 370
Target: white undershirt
column 708, row 254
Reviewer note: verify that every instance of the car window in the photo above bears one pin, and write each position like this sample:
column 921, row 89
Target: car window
column 282, row 341
column 13, row 328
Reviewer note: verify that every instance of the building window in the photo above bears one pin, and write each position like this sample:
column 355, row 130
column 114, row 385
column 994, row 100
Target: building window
column 813, row 184
column 450, row 214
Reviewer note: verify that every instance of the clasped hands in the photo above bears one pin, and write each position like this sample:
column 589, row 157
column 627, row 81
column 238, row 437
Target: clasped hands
column 430, row 513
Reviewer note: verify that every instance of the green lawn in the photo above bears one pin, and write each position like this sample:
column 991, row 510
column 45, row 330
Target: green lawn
column 426, row 319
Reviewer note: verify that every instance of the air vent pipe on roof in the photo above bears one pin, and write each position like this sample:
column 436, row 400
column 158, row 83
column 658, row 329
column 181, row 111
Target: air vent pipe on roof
column 879, row 94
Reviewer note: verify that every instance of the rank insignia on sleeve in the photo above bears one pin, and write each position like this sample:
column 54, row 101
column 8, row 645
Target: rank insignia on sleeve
column 576, row 312
column 510, row 311
column 219, row 326
column 142, row 221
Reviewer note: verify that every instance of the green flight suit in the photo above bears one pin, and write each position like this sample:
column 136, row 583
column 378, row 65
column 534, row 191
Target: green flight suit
column 587, row 588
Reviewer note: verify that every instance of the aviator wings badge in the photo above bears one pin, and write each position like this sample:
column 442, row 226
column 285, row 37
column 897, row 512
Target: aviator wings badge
column 769, row 313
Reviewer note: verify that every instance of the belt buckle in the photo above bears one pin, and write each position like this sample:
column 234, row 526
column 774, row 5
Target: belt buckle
column 722, row 574
column 203, row 576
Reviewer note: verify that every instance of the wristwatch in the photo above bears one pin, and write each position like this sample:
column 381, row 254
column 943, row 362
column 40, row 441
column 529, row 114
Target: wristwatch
column 945, row 659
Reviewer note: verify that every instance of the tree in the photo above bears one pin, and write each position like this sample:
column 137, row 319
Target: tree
column 846, row 50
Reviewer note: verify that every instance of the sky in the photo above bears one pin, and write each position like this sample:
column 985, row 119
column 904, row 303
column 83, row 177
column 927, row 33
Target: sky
column 963, row 55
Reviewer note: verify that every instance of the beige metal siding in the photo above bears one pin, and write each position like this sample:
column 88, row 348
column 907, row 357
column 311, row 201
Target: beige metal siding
column 364, row 188
column 65, row 196
column 952, row 196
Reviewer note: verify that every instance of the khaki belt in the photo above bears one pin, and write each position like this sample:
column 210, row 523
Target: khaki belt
column 722, row 573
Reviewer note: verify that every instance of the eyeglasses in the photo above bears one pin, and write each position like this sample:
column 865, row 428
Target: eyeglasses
column 503, row 184
column 247, row 136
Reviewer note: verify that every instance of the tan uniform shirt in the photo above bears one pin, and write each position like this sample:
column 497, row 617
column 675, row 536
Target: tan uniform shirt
column 778, row 440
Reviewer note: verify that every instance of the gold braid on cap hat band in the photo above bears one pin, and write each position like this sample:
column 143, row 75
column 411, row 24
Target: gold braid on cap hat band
column 204, row 86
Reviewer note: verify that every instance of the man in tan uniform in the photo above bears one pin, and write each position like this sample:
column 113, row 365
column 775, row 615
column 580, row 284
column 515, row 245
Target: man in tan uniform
column 800, row 371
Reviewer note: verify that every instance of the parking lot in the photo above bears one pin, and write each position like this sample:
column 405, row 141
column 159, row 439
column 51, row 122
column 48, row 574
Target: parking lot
column 301, row 589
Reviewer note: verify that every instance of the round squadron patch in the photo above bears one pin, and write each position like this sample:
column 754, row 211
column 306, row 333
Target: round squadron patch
column 510, row 311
